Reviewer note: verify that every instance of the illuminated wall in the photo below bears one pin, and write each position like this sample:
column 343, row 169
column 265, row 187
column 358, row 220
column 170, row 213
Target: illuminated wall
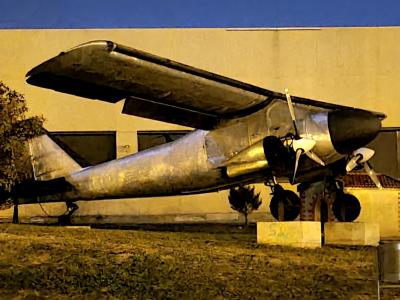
column 350, row 66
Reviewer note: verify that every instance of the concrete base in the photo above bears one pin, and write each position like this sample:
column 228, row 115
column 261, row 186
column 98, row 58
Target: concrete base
column 355, row 234
column 304, row 234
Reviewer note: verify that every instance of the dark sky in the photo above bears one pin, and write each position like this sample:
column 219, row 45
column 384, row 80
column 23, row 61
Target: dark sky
column 200, row 13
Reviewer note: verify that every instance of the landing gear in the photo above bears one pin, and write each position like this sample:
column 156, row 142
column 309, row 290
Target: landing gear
column 326, row 201
column 65, row 219
column 285, row 205
column 346, row 207
column 317, row 199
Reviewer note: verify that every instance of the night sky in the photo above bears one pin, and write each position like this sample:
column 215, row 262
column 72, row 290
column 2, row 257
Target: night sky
column 190, row 13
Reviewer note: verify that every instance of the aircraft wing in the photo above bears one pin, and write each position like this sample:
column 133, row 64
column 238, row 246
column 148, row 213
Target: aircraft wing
column 154, row 87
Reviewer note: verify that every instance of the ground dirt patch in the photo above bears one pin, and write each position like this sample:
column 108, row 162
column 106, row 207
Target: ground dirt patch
column 175, row 262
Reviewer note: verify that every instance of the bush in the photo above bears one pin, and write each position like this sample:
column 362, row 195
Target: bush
column 244, row 200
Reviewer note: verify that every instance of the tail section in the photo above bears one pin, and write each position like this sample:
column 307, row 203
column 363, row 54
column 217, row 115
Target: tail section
column 49, row 161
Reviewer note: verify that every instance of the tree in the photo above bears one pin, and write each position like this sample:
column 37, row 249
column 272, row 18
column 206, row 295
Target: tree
column 15, row 130
column 244, row 200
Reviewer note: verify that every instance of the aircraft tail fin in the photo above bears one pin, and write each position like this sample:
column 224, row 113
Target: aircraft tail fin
column 49, row 160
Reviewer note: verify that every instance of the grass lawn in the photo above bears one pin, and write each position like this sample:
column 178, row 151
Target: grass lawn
column 174, row 262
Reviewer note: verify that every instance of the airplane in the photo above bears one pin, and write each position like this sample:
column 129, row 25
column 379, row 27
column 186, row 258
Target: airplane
column 244, row 134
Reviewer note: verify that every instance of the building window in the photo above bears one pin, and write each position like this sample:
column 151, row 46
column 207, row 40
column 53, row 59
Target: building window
column 88, row 148
column 149, row 139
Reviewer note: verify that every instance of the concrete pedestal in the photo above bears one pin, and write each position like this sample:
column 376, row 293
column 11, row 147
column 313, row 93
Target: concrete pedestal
column 356, row 234
column 304, row 234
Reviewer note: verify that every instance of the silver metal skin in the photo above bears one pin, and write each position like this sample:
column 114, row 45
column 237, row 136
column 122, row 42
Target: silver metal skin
column 312, row 123
column 249, row 160
column 198, row 162
column 245, row 134
column 48, row 160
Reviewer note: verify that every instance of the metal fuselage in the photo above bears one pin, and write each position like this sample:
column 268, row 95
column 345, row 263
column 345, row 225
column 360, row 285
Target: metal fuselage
column 196, row 162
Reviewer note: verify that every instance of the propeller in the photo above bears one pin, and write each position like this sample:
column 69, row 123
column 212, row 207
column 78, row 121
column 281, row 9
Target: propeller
column 361, row 156
column 301, row 145
column 291, row 111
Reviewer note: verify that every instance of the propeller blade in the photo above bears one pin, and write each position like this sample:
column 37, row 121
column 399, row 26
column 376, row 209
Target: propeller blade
column 303, row 144
column 371, row 173
column 291, row 111
column 366, row 154
column 315, row 158
column 300, row 145
column 290, row 104
column 352, row 163
column 299, row 152
column 359, row 156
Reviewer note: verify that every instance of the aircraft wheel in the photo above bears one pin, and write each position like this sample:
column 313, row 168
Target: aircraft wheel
column 285, row 205
column 346, row 207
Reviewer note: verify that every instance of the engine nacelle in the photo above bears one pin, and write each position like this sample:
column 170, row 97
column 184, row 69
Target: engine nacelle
column 269, row 152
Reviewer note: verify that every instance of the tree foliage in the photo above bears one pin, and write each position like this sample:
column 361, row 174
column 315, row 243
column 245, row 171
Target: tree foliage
column 15, row 130
column 244, row 200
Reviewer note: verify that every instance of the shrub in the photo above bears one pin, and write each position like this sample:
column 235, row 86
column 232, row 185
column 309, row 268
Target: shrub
column 244, row 200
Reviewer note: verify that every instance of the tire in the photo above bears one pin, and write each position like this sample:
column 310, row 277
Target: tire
column 291, row 205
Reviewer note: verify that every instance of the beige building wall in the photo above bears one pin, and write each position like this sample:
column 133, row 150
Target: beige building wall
column 350, row 66
column 379, row 206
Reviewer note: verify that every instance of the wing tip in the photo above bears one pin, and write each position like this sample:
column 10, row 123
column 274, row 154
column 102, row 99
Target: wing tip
column 109, row 45
column 103, row 44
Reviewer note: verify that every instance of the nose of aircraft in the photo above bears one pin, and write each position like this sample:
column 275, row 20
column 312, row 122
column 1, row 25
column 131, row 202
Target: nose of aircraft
column 351, row 129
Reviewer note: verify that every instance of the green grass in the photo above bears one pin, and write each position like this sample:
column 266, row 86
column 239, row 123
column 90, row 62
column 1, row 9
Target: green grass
column 40, row 262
